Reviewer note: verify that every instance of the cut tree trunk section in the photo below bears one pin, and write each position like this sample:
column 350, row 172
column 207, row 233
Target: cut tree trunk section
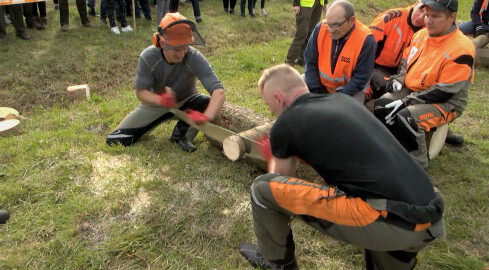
column 234, row 147
column 10, row 127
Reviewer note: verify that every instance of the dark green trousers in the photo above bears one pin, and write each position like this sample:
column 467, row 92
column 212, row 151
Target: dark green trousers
column 17, row 19
column 64, row 11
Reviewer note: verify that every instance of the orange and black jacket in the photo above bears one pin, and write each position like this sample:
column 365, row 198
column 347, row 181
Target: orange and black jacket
column 392, row 30
column 342, row 65
column 479, row 13
column 438, row 69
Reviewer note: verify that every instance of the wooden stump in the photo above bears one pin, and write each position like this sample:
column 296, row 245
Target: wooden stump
column 10, row 127
column 78, row 92
column 4, row 111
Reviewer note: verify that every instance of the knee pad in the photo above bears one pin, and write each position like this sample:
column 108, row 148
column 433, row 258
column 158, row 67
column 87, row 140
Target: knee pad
column 405, row 129
column 198, row 102
column 379, row 108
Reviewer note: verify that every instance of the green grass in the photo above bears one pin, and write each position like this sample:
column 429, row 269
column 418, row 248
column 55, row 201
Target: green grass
column 79, row 204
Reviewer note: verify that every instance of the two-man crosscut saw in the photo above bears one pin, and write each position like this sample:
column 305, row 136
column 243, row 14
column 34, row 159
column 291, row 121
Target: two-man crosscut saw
column 219, row 134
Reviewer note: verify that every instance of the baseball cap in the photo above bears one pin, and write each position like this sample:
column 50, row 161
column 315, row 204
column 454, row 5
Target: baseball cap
column 441, row 5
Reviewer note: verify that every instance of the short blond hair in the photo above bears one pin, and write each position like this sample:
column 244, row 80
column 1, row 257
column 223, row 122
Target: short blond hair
column 283, row 77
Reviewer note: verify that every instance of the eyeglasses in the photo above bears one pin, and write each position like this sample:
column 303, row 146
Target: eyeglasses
column 336, row 25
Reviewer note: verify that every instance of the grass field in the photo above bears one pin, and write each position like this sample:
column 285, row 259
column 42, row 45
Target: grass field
column 79, row 204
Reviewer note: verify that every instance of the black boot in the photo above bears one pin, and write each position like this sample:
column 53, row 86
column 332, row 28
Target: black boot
column 454, row 139
column 253, row 255
column 178, row 136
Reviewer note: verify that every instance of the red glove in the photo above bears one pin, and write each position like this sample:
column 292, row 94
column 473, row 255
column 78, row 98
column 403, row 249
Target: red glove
column 167, row 99
column 265, row 147
column 196, row 116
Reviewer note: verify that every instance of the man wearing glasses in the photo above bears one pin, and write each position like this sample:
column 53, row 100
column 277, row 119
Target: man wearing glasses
column 340, row 53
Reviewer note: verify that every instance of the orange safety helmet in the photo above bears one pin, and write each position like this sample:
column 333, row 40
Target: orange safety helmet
column 176, row 31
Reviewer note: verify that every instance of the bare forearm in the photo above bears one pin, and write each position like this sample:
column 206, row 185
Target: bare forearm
column 215, row 104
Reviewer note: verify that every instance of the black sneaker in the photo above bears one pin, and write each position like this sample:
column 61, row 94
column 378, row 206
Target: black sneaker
column 252, row 14
column 231, row 11
column 184, row 143
column 252, row 254
column 4, row 216
column 454, row 139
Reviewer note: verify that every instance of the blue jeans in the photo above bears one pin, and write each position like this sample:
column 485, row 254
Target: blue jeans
column 469, row 28
column 250, row 6
column 91, row 3
column 144, row 7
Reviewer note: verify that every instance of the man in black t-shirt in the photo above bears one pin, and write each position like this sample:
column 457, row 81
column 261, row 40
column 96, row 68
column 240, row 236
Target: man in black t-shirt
column 377, row 197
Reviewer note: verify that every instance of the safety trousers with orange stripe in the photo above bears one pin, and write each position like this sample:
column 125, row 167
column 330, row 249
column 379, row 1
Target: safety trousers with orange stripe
column 412, row 123
column 276, row 199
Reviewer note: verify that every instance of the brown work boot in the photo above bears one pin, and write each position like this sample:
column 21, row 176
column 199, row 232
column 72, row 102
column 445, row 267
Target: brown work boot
column 37, row 23
column 44, row 22
column 65, row 27
column 88, row 24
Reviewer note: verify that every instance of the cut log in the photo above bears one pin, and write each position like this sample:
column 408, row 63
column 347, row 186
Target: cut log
column 482, row 57
column 237, row 119
column 480, row 41
column 78, row 92
column 11, row 116
column 10, row 127
column 235, row 148
column 4, row 111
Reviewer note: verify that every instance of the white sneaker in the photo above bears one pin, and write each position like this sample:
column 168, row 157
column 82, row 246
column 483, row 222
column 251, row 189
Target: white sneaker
column 127, row 29
column 115, row 30
column 263, row 12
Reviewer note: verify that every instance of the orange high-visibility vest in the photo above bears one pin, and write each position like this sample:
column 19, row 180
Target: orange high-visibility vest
column 484, row 6
column 347, row 59
column 392, row 33
column 429, row 60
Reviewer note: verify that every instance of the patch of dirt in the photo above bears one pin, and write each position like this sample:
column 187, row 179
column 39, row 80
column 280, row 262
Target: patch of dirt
column 139, row 202
column 92, row 231
column 111, row 174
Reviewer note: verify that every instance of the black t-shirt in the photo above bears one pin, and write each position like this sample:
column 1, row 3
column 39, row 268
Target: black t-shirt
column 350, row 149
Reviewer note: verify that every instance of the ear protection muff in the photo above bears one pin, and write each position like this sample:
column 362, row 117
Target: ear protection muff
column 157, row 38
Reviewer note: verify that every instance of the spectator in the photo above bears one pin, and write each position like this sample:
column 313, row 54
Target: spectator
column 122, row 9
column 229, row 6
column 392, row 29
column 340, row 53
column 262, row 7
column 162, row 8
column 16, row 13
column 437, row 70
column 91, row 8
column 40, row 17
column 64, row 14
column 479, row 17
column 251, row 10
column 307, row 15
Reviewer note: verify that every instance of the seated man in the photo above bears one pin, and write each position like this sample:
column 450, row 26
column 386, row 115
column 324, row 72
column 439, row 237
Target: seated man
column 172, row 63
column 479, row 17
column 437, row 72
column 376, row 197
column 340, row 53
column 392, row 30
